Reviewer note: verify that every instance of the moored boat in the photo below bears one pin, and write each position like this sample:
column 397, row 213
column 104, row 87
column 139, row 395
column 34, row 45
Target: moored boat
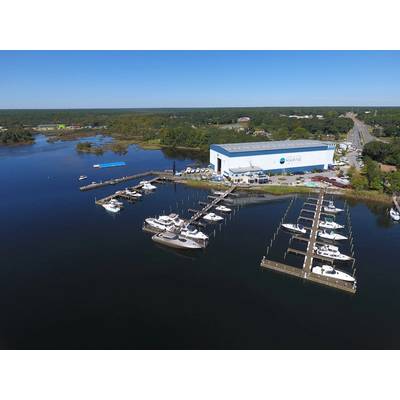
column 146, row 185
column 223, row 208
column 327, row 270
column 165, row 222
column 211, row 217
column 331, row 235
column 193, row 233
column 330, row 224
column 296, row 228
column 330, row 208
column 111, row 207
column 132, row 193
column 332, row 252
column 395, row 215
column 173, row 240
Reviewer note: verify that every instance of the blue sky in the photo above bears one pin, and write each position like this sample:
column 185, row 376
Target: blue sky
column 96, row 79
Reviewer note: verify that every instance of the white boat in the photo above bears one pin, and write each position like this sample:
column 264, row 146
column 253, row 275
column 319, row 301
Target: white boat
column 327, row 224
column 166, row 222
column 331, row 235
column 146, row 185
column 330, row 208
column 193, row 233
column 117, row 203
column 82, row 177
column 332, row 252
column 111, row 207
column 212, row 217
column 296, row 228
column 223, row 209
column 132, row 194
column 173, row 240
column 218, row 192
column 395, row 215
column 327, row 270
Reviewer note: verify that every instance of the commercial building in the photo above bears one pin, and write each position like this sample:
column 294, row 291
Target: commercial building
column 237, row 159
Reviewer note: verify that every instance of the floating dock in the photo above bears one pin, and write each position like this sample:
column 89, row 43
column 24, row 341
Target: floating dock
column 166, row 175
column 309, row 255
column 110, row 164
column 122, row 194
column 216, row 200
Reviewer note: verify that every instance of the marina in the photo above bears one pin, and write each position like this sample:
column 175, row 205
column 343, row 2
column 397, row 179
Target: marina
column 113, row 265
column 312, row 252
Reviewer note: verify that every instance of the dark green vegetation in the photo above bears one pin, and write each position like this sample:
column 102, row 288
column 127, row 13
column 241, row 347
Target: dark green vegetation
column 192, row 128
column 385, row 121
column 372, row 178
column 15, row 135
column 387, row 153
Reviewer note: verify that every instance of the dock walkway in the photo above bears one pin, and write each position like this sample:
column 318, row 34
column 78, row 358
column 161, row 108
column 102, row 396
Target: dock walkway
column 309, row 255
column 165, row 174
column 121, row 194
column 209, row 206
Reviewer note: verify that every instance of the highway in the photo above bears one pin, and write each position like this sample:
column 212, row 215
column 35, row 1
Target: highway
column 359, row 135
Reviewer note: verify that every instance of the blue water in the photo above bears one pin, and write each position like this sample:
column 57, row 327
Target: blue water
column 74, row 276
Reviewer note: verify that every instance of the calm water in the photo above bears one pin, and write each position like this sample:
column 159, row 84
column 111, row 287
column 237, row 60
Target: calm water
column 74, row 277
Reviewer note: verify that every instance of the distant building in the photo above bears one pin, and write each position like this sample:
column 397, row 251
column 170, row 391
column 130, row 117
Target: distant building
column 47, row 127
column 272, row 156
column 301, row 116
column 243, row 119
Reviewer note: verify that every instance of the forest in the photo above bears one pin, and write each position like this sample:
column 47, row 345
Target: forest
column 193, row 128
column 385, row 121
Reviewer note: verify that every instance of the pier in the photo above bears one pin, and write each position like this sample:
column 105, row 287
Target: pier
column 123, row 195
column 309, row 254
column 216, row 200
column 167, row 175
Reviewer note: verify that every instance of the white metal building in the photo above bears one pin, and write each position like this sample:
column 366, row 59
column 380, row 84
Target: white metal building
column 272, row 157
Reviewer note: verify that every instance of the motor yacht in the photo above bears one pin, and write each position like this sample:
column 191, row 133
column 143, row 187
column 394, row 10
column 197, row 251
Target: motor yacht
column 82, row 177
column 395, row 215
column 117, row 203
column 330, row 251
column 330, row 208
column 166, row 222
column 223, row 209
column 331, row 235
column 173, row 240
column 146, row 185
column 296, row 228
column 132, row 193
column 111, row 207
column 193, row 233
column 327, row 270
column 212, row 217
column 330, row 224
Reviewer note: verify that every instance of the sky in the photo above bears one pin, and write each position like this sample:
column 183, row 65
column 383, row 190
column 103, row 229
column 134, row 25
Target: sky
column 136, row 79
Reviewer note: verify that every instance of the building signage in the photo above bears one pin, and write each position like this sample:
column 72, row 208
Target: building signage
column 290, row 159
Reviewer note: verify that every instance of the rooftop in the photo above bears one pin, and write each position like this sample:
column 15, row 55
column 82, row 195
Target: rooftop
column 272, row 145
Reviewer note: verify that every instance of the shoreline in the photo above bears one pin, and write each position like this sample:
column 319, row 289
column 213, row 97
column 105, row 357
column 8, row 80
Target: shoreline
column 278, row 190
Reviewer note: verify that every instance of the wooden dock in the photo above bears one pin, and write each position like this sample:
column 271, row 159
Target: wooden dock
column 216, row 199
column 167, row 175
column 309, row 255
column 123, row 195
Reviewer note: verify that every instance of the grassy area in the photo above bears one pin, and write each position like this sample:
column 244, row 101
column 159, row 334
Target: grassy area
column 278, row 190
column 367, row 195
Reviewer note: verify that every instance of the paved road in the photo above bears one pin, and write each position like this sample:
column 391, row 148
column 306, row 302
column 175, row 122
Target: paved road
column 359, row 135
